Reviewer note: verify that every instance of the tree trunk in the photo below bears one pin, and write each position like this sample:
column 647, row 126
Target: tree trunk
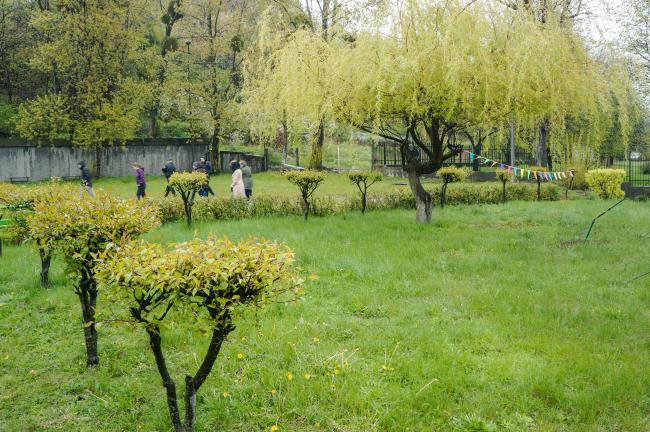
column 87, row 292
column 316, row 159
column 542, row 145
column 539, row 189
column 192, row 384
column 215, row 156
column 98, row 161
column 443, row 194
column 305, row 206
column 46, row 259
column 363, row 203
column 503, row 194
column 168, row 382
column 285, row 140
column 423, row 200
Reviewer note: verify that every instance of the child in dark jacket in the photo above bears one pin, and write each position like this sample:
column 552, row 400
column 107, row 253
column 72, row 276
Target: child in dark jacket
column 139, row 180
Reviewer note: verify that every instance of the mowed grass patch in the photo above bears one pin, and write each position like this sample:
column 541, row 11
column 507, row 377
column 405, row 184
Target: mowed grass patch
column 490, row 318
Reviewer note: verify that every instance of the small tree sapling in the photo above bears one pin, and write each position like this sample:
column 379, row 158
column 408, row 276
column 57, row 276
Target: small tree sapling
column 307, row 181
column 187, row 184
column 364, row 180
column 450, row 174
column 79, row 229
column 504, row 176
column 202, row 283
column 538, row 177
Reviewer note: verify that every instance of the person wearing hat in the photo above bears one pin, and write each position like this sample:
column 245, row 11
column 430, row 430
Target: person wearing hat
column 168, row 169
column 86, row 178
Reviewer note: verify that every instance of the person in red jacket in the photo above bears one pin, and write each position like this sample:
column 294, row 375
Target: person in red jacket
column 139, row 180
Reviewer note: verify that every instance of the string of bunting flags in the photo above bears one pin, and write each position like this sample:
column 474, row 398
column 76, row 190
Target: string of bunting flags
column 521, row 172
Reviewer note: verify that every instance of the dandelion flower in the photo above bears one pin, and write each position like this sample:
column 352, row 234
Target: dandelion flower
column 274, row 428
column 289, row 376
column 240, row 356
column 316, row 340
column 307, row 376
column 274, row 392
column 226, row 394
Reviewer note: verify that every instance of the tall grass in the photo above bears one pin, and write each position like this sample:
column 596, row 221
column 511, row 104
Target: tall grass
column 491, row 318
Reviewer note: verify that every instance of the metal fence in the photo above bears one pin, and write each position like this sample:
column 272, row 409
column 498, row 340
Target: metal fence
column 637, row 167
column 636, row 163
column 387, row 154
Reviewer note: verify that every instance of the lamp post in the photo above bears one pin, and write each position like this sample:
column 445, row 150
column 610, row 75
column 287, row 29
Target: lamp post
column 189, row 102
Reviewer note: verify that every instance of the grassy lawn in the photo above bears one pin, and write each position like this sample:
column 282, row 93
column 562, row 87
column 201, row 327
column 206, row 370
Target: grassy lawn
column 492, row 318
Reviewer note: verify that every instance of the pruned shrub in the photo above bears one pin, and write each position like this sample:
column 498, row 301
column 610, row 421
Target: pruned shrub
column 504, row 176
column 307, row 181
column 18, row 201
column 79, row 229
column 450, row 174
column 536, row 173
column 261, row 206
column 187, row 184
column 364, row 180
column 606, row 183
column 201, row 283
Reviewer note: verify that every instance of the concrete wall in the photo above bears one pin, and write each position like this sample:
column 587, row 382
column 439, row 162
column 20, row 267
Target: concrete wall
column 24, row 160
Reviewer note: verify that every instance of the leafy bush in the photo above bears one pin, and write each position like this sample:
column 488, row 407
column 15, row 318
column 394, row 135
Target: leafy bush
column 187, row 184
column 504, row 176
column 364, row 180
column 450, row 174
column 577, row 181
column 307, row 181
column 261, row 206
column 606, row 183
column 79, row 229
column 200, row 282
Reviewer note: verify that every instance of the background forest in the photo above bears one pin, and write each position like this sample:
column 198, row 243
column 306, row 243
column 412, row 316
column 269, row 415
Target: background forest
column 283, row 72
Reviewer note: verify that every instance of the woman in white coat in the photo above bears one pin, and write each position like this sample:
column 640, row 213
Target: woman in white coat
column 237, row 185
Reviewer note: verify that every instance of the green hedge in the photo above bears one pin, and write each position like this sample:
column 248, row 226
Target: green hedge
column 230, row 209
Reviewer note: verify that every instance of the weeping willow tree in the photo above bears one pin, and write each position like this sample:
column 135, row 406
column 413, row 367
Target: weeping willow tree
column 446, row 68
column 285, row 85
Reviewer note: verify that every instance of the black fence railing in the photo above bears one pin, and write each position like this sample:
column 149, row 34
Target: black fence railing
column 387, row 154
column 636, row 164
column 637, row 167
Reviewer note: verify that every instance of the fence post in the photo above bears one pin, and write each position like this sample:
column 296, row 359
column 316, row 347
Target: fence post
column 629, row 167
column 297, row 157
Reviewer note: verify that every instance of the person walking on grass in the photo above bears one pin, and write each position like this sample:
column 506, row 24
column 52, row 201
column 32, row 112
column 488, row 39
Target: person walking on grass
column 207, row 166
column 247, row 177
column 139, row 180
column 237, row 185
column 86, row 179
column 168, row 169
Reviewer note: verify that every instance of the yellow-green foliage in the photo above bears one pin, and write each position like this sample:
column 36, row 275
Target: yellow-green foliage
column 11, row 195
column 19, row 202
column 307, row 180
column 78, row 227
column 451, row 174
column 365, row 177
column 606, row 183
column 504, row 175
column 577, row 181
column 205, row 279
column 185, row 182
